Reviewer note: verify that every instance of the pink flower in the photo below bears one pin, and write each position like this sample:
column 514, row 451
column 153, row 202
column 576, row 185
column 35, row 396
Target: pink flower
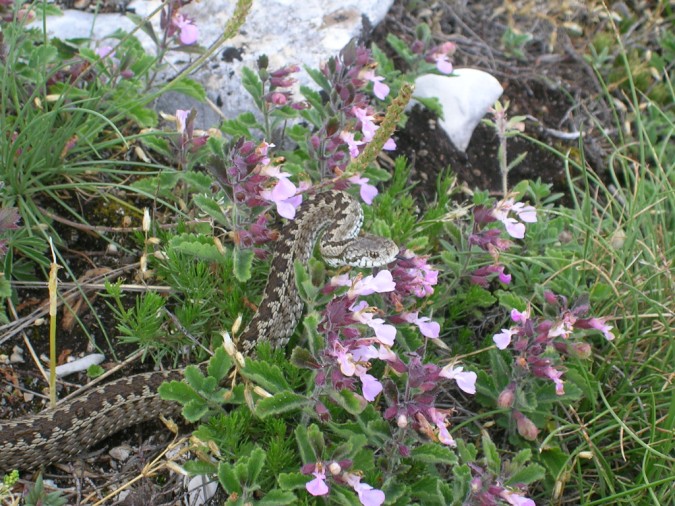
column 525, row 213
column 382, row 282
column 428, row 328
column 352, row 144
column 599, row 324
column 189, row 33
column 520, row 317
column 389, row 145
column 466, row 381
column 525, row 426
column 371, row 386
column 516, row 499
column 318, row 485
column 380, row 89
column 105, row 51
column 384, row 333
column 181, row 118
column 438, row 417
column 368, row 192
column 368, row 495
column 503, row 339
column 283, row 194
column 368, row 126
column 440, row 56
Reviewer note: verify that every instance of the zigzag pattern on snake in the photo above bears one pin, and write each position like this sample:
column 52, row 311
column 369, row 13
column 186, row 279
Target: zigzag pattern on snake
column 60, row 433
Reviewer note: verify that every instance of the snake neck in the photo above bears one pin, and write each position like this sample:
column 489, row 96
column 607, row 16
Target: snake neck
column 281, row 306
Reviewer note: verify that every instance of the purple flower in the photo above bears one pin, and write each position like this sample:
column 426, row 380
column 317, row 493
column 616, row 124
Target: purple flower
column 284, row 194
column 189, row 33
column 414, row 275
column 438, row 418
column 525, row 213
column 503, row 339
column 371, row 387
column 368, row 495
column 384, row 333
column 597, row 324
column 317, row 486
column 382, row 282
column 367, row 191
column 352, row 143
column 181, row 119
column 428, row 328
column 440, row 56
column 105, row 51
column 368, row 126
column 380, row 89
column 516, row 499
column 466, row 381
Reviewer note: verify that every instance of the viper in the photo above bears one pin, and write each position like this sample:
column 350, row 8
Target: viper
column 333, row 218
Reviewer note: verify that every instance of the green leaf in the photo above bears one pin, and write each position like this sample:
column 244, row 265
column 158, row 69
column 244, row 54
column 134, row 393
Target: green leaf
column 255, row 464
column 306, row 451
column 491, row 454
column 270, row 377
column 431, row 453
column 145, row 117
column 276, row 497
column 292, row 481
column 282, row 402
column 314, row 340
column 198, row 246
column 350, row 401
column 316, row 439
column 200, row 467
column 318, row 77
column 194, row 377
column 252, row 84
column 510, row 300
column 178, row 391
column 195, row 410
column 187, row 87
column 241, row 125
column 428, row 491
column 228, row 479
column 529, row 474
column 207, row 204
column 219, row 364
column 144, row 24
column 243, row 260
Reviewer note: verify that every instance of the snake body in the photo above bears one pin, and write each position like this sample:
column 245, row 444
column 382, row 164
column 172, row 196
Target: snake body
column 61, row 433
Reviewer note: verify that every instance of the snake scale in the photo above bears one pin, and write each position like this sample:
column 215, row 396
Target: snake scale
column 61, row 433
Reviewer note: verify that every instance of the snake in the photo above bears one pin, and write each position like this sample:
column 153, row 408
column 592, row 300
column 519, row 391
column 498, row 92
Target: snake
column 332, row 218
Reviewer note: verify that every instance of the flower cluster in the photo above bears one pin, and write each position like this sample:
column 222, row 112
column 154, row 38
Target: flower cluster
column 438, row 54
column 349, row 354
column 488, row 490
column 177, row 25
column 337, row 471
column 534, row 339
column 352, row 121
column 490, row 240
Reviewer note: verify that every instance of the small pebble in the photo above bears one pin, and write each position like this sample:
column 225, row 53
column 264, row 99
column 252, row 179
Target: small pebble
column 120, row 453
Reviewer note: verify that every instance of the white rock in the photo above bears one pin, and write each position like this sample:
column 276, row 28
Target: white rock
column 287, row 31
column 200, row 489
column 120, row 453
column 17, row 355
column 81, row 364
column 465, row 98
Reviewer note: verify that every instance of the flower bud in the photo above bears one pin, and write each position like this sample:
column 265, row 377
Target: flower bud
column 402, row 421
column 335, row 468
column 526, row 427
column 507, row 396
